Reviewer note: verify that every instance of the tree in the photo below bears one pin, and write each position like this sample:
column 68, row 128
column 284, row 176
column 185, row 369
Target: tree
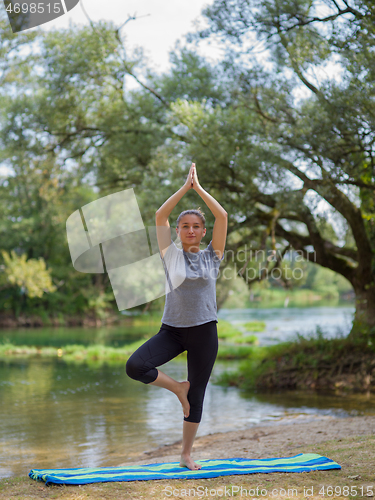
column 70, row 125
column 278, row 152
column 66, row 123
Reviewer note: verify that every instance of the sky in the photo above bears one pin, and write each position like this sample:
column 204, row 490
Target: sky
column 159, row 25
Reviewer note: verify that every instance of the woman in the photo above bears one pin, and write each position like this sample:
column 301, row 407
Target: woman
column 190, row 313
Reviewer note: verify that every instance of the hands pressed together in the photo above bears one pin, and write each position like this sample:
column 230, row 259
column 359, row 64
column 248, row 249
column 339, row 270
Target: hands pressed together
column 192, row 178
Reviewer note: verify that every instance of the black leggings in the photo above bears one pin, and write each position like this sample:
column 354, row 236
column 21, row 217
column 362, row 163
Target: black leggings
column 201, row 344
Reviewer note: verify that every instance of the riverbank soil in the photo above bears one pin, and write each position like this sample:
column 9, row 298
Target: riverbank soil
column 348, row 441
column 320, row 364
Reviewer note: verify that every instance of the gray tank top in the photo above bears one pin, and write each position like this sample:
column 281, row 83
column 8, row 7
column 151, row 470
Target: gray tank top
column 190, row 287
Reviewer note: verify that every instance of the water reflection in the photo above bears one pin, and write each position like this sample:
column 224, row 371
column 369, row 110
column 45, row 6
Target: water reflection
column 57, row 415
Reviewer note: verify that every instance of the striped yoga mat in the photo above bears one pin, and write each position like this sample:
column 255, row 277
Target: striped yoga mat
column 302, row 462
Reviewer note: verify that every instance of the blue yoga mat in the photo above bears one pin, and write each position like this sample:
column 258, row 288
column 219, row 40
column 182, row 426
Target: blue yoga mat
column 302, row 462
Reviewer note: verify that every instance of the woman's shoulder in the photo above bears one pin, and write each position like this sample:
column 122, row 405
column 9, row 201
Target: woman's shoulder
column 172, row 250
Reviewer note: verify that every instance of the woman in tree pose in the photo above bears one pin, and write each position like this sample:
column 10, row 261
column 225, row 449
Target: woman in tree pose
column 190, row 313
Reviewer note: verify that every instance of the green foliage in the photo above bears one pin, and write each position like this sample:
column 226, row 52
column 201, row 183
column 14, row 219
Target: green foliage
column 65, row 126
column 30, row 276
column 228, row 333
column 75, row 353
column 226, row 330
column 191, row 77
column 231, row 342
column 234, row 351
column 312, row 355
column 254, row 326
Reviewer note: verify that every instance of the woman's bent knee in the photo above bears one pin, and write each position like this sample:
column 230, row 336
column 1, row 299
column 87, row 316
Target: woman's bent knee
column 133, row 369
column 137, row 370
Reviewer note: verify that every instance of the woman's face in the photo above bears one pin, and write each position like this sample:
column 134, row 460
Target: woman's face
column 190, row 231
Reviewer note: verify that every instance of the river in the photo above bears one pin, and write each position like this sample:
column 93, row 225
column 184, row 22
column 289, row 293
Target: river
column 54, row 414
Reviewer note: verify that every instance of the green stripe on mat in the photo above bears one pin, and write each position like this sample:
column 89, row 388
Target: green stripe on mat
column 303, row 462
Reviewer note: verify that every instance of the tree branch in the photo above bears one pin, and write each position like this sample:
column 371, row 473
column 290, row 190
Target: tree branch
column 311, row 20
column 125, row 65
column 326, row 253
column 328, row 191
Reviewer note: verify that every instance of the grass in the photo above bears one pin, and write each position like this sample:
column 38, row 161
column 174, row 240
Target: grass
column 356, row 455
column 93, row 355
column 232, row 343
column 315, row 363
column 231, row 346
column 97, row 355
column 254, row 326
column 229, row 352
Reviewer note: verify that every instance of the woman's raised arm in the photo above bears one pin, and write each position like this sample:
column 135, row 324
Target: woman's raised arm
column 163, row 230
column 219, row 233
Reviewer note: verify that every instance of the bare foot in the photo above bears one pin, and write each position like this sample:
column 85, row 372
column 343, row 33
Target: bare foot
column 182, row 396
column 187, row 461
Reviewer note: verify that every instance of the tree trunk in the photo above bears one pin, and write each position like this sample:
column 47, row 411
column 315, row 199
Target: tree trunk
column 364, row 320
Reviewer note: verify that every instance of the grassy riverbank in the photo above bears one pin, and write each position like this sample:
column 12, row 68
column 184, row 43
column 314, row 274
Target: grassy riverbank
column 349, row 442
column 316, row 363
column 233, row 344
